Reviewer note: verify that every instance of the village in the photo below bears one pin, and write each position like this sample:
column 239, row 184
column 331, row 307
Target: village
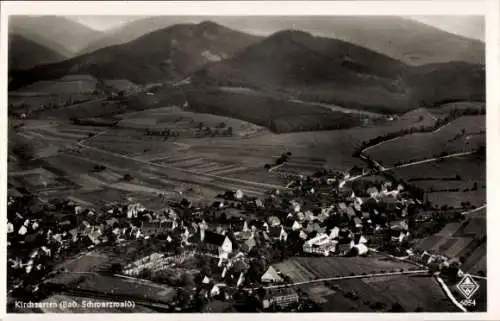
column 226, row 251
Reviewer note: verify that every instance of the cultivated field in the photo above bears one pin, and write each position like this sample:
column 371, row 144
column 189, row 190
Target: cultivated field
column 301, row 269
column 449, row 181
column 413, row 293
column 464, row 239
column 461, row 135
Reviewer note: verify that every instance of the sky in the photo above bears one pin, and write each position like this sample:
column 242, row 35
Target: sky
column 468, row 26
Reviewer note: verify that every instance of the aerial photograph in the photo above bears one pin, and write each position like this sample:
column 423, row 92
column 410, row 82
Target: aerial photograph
column 239, row 164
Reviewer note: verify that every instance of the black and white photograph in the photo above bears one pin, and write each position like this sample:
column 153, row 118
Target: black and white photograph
column 246, row 163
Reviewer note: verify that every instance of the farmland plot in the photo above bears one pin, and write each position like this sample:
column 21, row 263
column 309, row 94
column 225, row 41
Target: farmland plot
column 381, row 293
column 448, row 139
column 310, row 268
column 337, row 146
column 465, row 239
column 445, row 109
column 450, row 181
column 125, row 287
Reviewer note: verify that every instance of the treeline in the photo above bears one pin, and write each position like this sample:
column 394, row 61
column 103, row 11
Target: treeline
column 454, row 114
column 419, row 179
column 162, row 133
column 93, row 122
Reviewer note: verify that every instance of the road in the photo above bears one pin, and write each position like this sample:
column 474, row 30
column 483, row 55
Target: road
column 437, row 130
column 449, row 294
column 359, row 276
column 429, row 160
column 474, row 210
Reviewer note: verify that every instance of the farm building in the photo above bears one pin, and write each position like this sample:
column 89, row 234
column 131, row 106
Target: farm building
column 281, row 296
column 321, row 244
column 277, row 233
column 215, row 243
column 271, row 276
column 153, row 228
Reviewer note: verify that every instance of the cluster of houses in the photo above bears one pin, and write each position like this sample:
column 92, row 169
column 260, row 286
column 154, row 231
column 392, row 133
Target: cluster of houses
column 323, row 221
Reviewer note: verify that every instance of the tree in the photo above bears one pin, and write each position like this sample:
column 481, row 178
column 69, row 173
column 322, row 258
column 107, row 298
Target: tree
column 475, row 186
column 115, row 268
column 396, row 307
column 127, row 177
column 229, row 131
column 267, row 166
column 24, row 150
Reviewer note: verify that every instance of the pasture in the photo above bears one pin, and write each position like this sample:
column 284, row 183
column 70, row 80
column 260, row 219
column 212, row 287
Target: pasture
column 464, row 134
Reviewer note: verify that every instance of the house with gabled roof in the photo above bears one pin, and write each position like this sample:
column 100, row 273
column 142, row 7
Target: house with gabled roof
column 271, row 276
column 280, row 296
column 372, row 191
column 215, row 243
column 321, row 244
column 350, row 211
column 277, row 233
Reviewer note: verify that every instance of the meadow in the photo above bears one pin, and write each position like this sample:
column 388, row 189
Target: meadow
column 464, row 134
column 449, row 181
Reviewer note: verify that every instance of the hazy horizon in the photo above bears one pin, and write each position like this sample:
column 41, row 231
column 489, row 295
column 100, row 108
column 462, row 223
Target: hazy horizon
column 467, row 26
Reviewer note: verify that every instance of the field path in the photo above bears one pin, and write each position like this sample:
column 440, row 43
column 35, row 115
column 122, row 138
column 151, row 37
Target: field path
column 437, row 130
column 429, row 160
column 474, row 210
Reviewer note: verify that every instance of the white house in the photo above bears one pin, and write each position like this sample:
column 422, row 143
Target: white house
column 10, row 227
column 23, row 230
column 296, row 226
column 321, row 244
column 241, row 279
column 216, row 243
column 334, row 232
column 271, row 276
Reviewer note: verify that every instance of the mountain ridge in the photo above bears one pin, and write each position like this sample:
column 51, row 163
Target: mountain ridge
column 24, row 53
column 54, row 32
column 167, row 54
column 397, row 37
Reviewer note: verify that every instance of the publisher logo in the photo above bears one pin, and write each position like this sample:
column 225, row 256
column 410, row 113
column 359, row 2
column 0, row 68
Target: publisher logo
column 467, row 286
